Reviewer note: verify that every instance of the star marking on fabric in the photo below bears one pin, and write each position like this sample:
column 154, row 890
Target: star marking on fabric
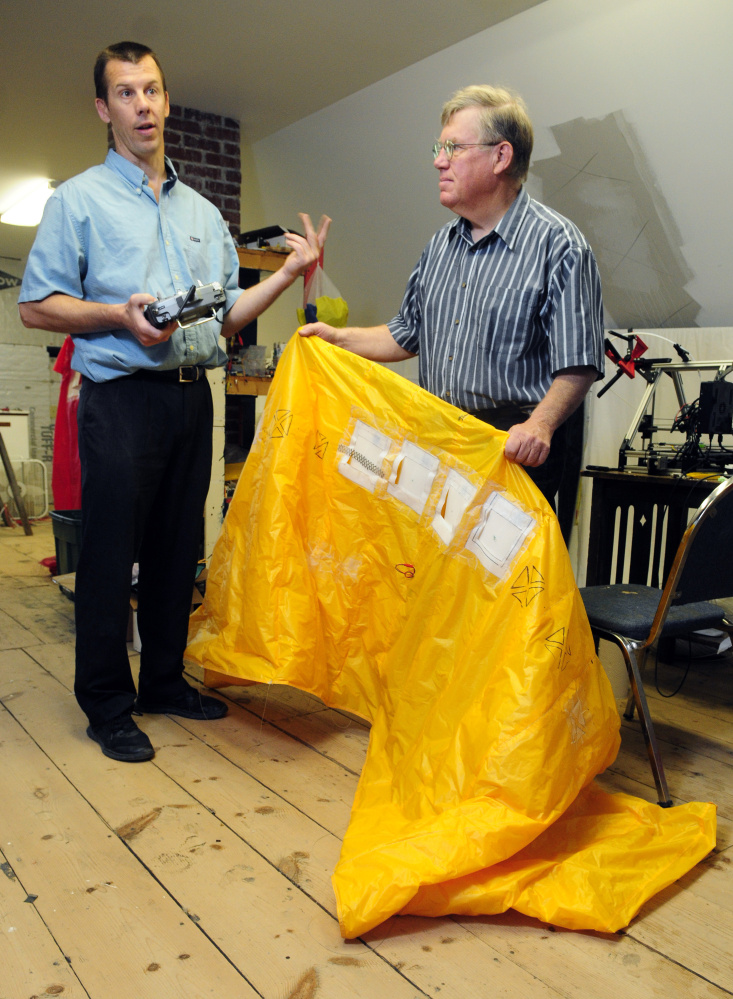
column 555, row 643
column 281, row 423
column 321, row 445
column 528, row 584
column 575, row 714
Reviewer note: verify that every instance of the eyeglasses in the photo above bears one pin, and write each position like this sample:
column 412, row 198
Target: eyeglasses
column 451, row 147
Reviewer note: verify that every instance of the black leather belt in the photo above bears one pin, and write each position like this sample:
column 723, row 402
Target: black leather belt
column 186, row 374
column 502, row 417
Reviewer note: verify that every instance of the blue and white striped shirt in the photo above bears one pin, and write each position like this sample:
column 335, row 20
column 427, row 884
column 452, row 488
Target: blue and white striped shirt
column 494, row 321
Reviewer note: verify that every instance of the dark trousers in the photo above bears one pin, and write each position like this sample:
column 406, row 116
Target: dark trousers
column 145, row 449
column 548, row 476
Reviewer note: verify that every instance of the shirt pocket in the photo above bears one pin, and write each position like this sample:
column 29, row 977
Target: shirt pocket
column 200, row 257
column 507, row 320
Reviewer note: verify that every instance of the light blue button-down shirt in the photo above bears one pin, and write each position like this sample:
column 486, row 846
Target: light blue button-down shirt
column 104, row 237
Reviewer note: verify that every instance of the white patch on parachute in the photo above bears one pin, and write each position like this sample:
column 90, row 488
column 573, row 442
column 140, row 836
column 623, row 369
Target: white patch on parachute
column 457, row 495
column 500, row 534
column 363, row 456
column 413, row 474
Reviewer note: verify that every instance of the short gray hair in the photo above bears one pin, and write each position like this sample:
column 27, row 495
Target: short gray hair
column 503, row 116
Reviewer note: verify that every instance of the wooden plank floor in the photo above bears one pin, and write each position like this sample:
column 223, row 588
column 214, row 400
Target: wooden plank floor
column 206, row 872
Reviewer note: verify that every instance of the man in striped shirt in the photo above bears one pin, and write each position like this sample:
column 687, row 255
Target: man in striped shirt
column 504, row 306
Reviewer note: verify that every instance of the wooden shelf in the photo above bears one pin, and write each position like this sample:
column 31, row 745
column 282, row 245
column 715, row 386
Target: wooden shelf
column 232, row 470
column 262, row 260
column 247, row 385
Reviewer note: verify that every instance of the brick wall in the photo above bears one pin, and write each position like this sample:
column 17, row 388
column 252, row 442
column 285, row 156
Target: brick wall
column 205, row 151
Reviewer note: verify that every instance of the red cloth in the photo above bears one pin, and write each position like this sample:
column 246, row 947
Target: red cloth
column 66, row 474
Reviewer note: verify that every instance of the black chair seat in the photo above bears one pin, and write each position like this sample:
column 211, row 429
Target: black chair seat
column 631, row 608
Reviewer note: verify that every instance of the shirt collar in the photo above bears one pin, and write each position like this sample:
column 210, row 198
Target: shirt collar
column 134, row 175
column 507, row 227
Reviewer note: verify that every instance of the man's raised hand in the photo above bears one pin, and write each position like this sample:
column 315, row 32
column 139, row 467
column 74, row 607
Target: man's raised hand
column 305, row 251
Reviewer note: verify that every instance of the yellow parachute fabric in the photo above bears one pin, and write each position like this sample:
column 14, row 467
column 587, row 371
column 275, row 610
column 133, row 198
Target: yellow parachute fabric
column 381, row 553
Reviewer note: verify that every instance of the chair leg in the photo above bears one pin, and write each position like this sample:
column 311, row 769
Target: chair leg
column 630, row 704
column 647, row 728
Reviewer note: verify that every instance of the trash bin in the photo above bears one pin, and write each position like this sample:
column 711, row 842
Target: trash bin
column 67, row 534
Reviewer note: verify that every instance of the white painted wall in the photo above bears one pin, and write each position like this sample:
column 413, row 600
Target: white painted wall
column 27, row 378
column 665, row 64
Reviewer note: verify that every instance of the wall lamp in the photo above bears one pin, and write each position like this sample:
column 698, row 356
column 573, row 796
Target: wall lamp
column 26, row 202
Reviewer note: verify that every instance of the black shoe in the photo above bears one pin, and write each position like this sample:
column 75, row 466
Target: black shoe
column 122, row 740
column 191, row 703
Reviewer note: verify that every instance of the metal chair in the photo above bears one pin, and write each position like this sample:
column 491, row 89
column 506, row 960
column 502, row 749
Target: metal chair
column 634, row 617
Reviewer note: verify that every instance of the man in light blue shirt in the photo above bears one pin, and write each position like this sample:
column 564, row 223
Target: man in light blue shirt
column 112, row 240
column 105, row 236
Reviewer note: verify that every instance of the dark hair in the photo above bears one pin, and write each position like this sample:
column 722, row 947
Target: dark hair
column 124, row 52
